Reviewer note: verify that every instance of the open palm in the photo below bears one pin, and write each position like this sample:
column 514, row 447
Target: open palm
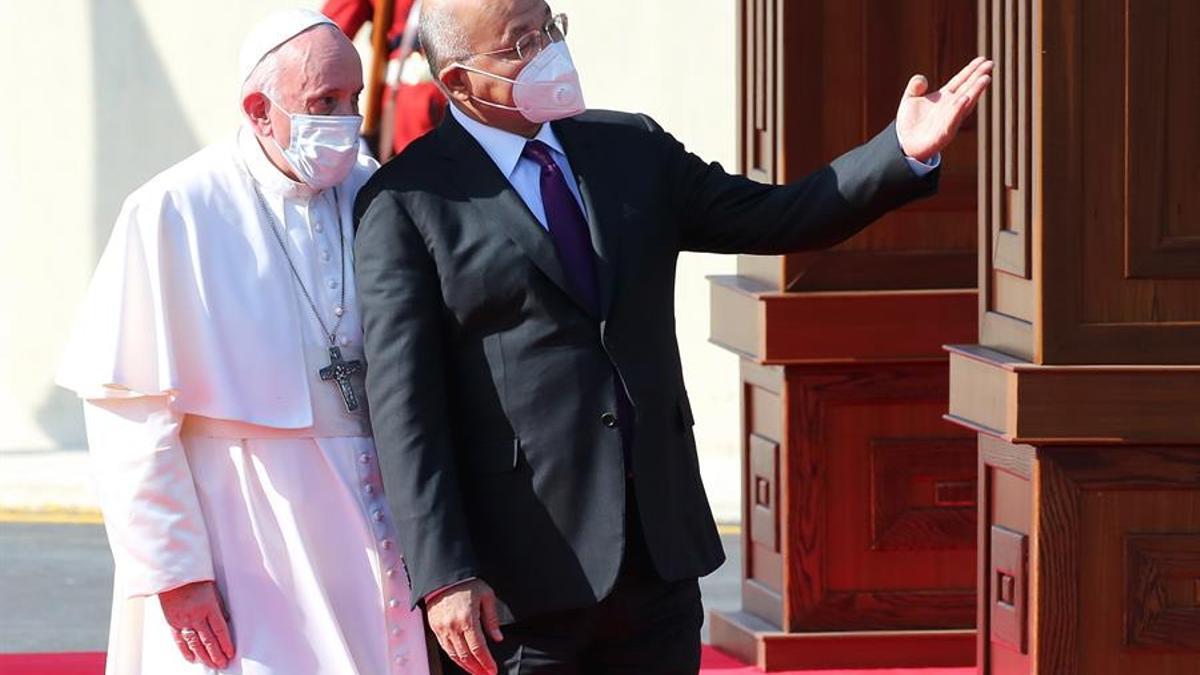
column 927, row 121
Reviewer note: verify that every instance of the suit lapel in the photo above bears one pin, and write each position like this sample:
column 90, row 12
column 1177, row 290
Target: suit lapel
column 497, row 201
column 598, row 204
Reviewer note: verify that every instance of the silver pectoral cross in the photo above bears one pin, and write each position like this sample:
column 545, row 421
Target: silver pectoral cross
column 339, row 371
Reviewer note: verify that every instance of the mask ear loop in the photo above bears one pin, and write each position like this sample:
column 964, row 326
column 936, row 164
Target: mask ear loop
column 291, row 125
column 492, row 104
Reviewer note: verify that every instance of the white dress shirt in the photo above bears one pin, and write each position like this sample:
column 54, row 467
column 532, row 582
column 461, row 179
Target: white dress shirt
column 524, row 174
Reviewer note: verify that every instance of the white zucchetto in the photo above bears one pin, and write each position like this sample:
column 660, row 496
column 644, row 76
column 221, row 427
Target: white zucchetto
column 274, row 30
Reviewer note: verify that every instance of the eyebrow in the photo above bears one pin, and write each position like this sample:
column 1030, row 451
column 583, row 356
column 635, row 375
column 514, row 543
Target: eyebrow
column 520, row 30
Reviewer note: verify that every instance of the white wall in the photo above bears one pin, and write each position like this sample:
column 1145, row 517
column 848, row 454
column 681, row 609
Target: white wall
column 104, row 94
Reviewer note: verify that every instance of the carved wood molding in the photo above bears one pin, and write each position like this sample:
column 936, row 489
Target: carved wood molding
column 818, row 392
column 1008, row 584
column 1162, row 593
column 923, row 494
column 1157, row 566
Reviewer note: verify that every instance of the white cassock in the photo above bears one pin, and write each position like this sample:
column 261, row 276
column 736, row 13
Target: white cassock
column 219, row 452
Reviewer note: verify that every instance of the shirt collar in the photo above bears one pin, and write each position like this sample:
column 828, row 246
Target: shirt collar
column 266, row 174
column 504, row 147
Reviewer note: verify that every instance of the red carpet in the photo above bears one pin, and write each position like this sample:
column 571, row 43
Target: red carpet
column 715, row 663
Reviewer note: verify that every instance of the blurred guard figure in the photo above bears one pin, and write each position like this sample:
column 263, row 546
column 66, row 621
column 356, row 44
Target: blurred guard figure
column 415, row 103
column 219, row 355
column 516, row 272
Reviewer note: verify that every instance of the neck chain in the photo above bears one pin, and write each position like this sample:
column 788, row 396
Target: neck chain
column 272, row 224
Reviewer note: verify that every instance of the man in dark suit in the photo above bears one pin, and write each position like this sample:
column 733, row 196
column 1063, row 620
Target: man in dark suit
column 517, row 284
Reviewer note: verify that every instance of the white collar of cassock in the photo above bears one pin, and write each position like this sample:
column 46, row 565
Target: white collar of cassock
column 267, row 175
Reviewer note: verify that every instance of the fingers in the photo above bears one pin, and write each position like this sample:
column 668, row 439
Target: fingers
column 191, row 637
column 969, row 96
column 220, row 630
column 491, row 618
column 212, row 654
column 963, row 75
column 917, row 86
column 479, row 653
column 184, row 649
column 457, row 649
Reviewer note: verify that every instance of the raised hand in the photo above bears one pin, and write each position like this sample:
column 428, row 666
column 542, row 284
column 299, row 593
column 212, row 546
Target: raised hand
column 197, row 620
column 927, row 121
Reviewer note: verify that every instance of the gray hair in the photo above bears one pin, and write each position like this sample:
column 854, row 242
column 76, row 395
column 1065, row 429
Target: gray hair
column 265, row 77
column 442, row 38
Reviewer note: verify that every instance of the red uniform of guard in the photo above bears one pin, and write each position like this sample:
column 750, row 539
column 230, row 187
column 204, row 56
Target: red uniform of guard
column 418, row 106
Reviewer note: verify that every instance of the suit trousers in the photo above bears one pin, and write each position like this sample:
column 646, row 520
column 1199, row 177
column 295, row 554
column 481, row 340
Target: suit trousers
column 645, row 626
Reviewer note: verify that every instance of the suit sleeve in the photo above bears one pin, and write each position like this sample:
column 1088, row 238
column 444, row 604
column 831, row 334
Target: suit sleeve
column 725, row 213
column 404, row 322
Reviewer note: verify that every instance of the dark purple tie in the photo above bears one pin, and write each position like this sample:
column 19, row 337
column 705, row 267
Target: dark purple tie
column 567, row 226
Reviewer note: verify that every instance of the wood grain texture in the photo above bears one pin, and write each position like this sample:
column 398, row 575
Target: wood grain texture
column 802, row 67
column 1006, row 502
column 787, row 328
column 1026, row 403
column 1008, row 589
column 1090, row 223
column 1007, row 187
column 923, row 494
column 1092, row 311
column 1055, row 571
column 1162, row 610
column 747, row 638
column 1158, row 507
column 844, row 418
column 1162, row 220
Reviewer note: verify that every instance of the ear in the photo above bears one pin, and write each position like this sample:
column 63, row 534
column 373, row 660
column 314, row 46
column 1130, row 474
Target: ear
column 256, row 106
column 454, row 83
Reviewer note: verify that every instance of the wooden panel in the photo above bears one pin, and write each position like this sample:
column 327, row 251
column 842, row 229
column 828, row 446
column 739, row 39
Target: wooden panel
column 864, row 326
column 1008, row 589
column 1092, row 165
column 980, row 391
column 876, row 649
column 786, row 328
column 858, row 562
column 759, row 65
column 762, row 489
column 1162, row 222
column 763, row 420
column 1006, row 503
column 1026, row 403
column 1008, row 187
column 1120, row 533
column 1055, row 571
column 754, row 642
column 735, row 319
column 808, row 64
column 1162, row 591
column 1011, row 201
column 923, row 494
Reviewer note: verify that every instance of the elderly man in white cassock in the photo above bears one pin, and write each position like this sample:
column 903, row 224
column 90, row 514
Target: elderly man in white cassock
column 219, row 356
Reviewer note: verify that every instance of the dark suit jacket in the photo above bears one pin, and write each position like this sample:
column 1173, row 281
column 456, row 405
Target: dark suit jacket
column 492, row 387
